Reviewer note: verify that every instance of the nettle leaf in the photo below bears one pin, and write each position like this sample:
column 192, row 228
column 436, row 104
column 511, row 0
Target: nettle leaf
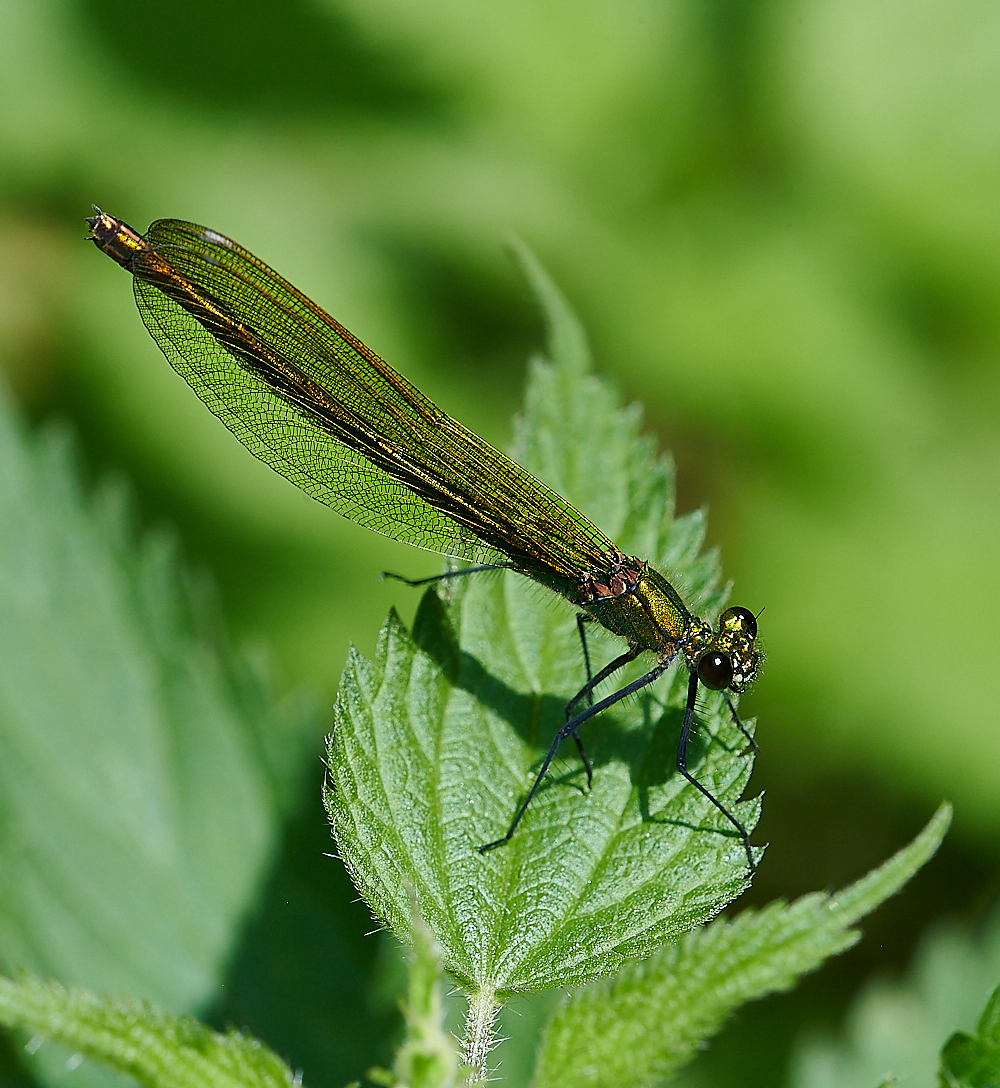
column 895, row 1026
column 138, row 1039
column 436, row 739
column 636, row 1029
column 973, row 1061
column 145, row 767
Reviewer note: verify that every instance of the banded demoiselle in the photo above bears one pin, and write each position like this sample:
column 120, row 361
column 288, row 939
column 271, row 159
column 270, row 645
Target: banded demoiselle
column 312, row 401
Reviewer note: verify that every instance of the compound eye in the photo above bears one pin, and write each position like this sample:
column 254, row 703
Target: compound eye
column 746, row 620
column 715, row 670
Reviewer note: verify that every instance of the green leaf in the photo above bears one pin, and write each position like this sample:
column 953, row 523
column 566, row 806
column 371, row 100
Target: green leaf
column 973, row 1061
column 137, row 1039
column 637, row 1028
column 145, row 766
column 436, row 739
column 897, row 1026
column 567, row 338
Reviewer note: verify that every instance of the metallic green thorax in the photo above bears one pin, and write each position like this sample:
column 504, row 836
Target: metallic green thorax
column 635, row 601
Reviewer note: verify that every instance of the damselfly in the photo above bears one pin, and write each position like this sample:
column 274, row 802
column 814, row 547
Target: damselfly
column 317, row 405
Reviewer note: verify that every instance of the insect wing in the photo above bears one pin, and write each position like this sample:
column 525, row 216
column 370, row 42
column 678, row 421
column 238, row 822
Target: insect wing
column 287, row 378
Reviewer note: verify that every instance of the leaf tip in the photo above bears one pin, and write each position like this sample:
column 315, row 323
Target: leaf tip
column 567, row 341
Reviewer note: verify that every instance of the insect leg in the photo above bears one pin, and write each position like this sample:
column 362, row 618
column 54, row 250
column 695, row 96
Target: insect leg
column 619, row 662
column 739, row 724
column 461, row 572
column 682, row 767
column 574, row 723
column 587, row 691
column 581, row 619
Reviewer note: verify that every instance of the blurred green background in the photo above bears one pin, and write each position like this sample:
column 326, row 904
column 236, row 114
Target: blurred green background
column 779, row 223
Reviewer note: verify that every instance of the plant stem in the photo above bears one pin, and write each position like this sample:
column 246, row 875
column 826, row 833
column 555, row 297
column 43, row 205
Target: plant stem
column 480, row 1037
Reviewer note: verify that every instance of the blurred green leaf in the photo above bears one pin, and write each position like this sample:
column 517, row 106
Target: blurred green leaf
column 146, row 767
column 435, row 740
column 897, row 1027
column 309, row 60
column 308, row 926
column 637, row 1028
column 138, row 1039
column 973, row 1061
column 567, row 338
